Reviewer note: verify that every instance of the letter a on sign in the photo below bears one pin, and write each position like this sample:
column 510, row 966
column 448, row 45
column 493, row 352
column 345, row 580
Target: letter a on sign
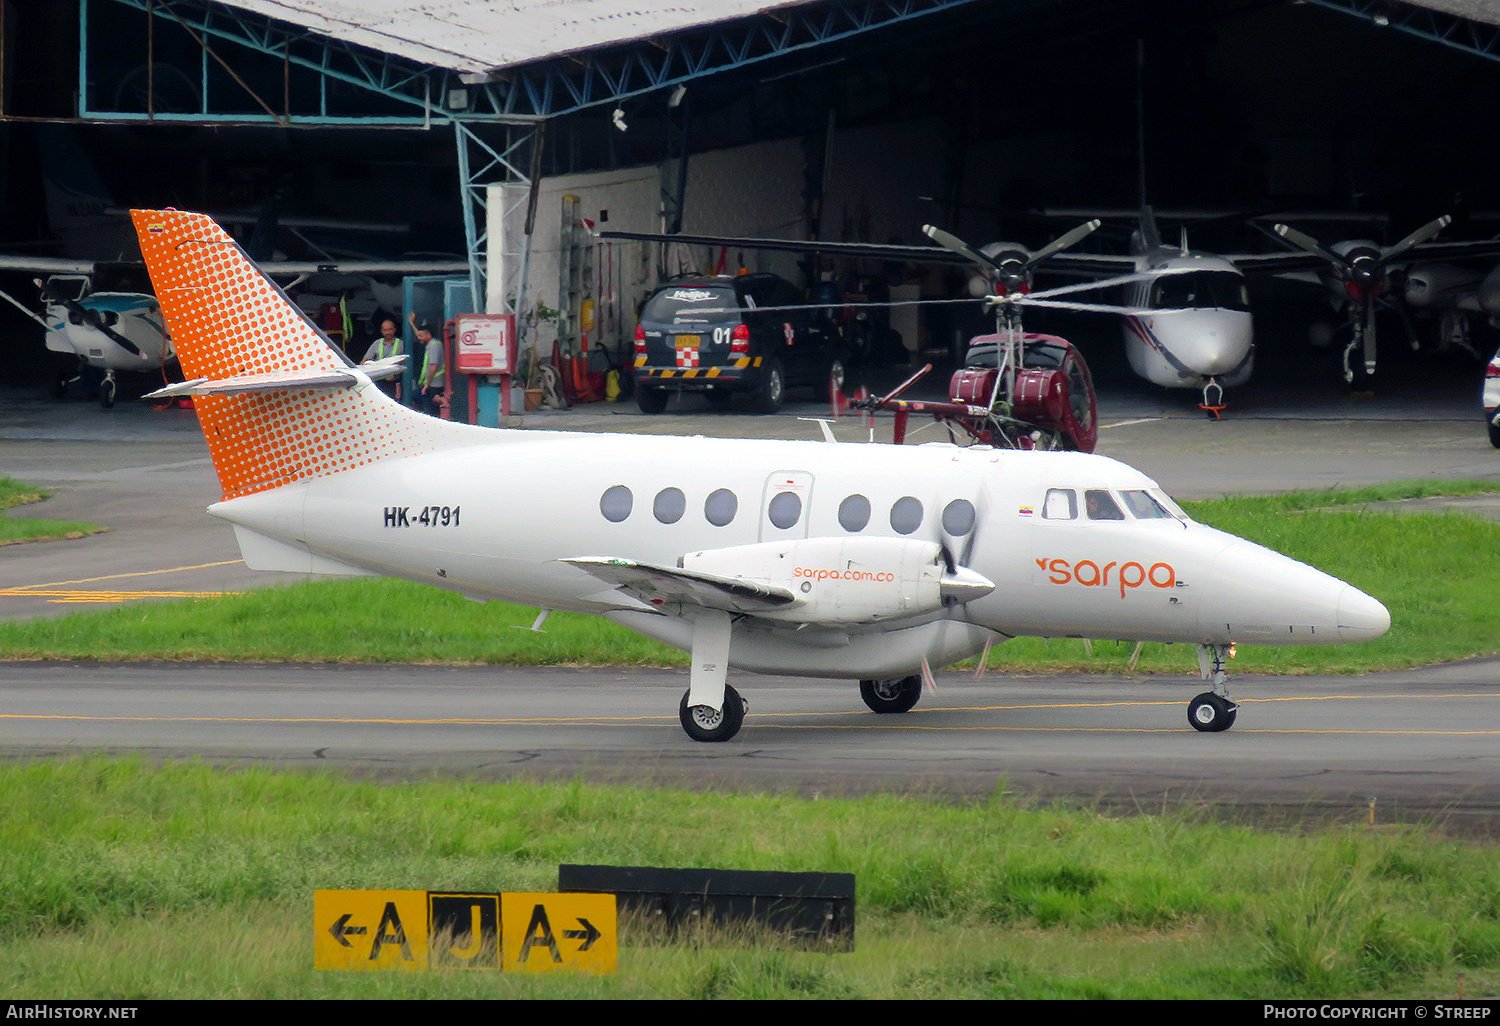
column 545, row 933
column 370, row 929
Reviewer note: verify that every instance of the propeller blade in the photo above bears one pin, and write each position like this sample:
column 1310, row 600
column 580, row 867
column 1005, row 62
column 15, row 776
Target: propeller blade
column 1416, row 238
column 954, row 244
column 1304, row 241
column 89, row 317
column 1064, row 241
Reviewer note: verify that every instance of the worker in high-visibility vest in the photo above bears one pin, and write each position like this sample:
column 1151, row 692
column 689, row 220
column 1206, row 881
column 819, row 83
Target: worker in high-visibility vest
column 388, row 344
column 432, row 382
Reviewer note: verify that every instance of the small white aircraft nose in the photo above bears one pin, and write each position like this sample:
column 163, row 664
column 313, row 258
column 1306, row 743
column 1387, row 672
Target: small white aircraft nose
column 1360, row 616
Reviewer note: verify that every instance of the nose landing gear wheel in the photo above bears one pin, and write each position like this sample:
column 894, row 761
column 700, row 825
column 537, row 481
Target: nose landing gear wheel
column 891, row 696
column 704, row 723
column 1210, row 713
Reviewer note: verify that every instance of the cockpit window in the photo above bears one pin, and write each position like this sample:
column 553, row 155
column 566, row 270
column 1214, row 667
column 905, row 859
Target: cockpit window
column 1201, row 290
column 1101, row 505
column 1143, row 507
column 1061, row 504
column 1170, row 506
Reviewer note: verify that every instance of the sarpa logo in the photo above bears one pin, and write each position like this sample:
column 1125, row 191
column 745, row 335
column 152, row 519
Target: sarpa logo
column 1127, row 576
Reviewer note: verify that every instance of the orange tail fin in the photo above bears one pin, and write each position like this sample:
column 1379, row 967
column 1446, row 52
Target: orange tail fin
column 228, row 321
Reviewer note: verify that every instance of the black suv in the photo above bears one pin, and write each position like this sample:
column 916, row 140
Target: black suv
column 707, row 335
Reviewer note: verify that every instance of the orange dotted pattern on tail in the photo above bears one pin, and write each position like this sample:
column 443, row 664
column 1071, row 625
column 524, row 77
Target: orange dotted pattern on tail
column 226, row 320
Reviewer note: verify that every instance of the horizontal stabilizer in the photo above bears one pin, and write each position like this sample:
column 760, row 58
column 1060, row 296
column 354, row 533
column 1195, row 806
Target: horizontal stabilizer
column 657, row 585
column 283, row 381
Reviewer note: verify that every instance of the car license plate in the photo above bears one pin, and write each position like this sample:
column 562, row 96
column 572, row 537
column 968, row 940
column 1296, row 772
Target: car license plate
column 689, row 341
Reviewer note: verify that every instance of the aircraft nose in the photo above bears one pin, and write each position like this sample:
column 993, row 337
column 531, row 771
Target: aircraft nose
column 1360, row 616
column 1270, row 599
column 1220, row 353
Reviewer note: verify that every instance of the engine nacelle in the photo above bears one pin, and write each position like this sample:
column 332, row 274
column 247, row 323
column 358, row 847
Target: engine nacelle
column 847, row 580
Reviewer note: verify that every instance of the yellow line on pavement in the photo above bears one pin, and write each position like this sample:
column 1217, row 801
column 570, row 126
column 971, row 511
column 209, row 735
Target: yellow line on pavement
column 113, row 577
column 56, row 592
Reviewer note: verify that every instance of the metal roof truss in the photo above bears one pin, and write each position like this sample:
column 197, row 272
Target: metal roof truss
column 1461, row 33
column 419, row 95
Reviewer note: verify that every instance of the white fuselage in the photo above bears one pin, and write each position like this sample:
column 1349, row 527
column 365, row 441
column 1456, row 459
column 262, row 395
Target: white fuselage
column 1198, row 326
column 494, row 521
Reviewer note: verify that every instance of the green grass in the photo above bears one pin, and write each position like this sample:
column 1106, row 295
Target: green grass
column 123, row 880
column 14, row 493
column 1438, row 574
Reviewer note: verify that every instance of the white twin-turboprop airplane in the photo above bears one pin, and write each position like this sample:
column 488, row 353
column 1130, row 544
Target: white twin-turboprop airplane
column 865, row 562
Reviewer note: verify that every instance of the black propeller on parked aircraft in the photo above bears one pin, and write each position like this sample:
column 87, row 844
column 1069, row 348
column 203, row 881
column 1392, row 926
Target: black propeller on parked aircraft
column 1006, row 266
column 1362, row 268
column 93, row 318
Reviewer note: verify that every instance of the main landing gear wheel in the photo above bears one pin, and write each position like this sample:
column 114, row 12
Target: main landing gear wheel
column 1211, row 713
column 891, row 696
column 107, row 393
column 704, row 723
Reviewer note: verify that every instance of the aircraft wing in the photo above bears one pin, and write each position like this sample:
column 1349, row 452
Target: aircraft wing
column 60, row 265
column 658, row 585
column 919, row 254
column 1438, row 250
column 1081, row 263
column 281, row 268
column 45, row 265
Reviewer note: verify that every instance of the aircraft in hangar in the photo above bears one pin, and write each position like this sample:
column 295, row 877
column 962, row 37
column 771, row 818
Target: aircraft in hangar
column 102, row 312
column 1186, row 316
column 1361, row 275
column 120, row 329
column 862, row 562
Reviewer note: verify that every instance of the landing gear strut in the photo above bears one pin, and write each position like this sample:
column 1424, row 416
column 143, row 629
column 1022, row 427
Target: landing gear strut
column 1212, row 711
column 1213, row 399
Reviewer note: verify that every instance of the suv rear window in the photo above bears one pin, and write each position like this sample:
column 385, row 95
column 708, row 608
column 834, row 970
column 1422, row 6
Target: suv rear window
column 684, row 305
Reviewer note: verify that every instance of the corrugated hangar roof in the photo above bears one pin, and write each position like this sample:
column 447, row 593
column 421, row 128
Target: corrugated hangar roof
column 1486, row 11
column 485, row 35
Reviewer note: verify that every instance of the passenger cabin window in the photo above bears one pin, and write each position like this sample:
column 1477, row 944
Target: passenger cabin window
column 1143, row 507
column 854, row 513
column 958, row 517
column 720, row 507
column 906, row 514
column 670, row 505
column 1061, row 504
column 615, row 503
column 1101, row 505
column 785, row 509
